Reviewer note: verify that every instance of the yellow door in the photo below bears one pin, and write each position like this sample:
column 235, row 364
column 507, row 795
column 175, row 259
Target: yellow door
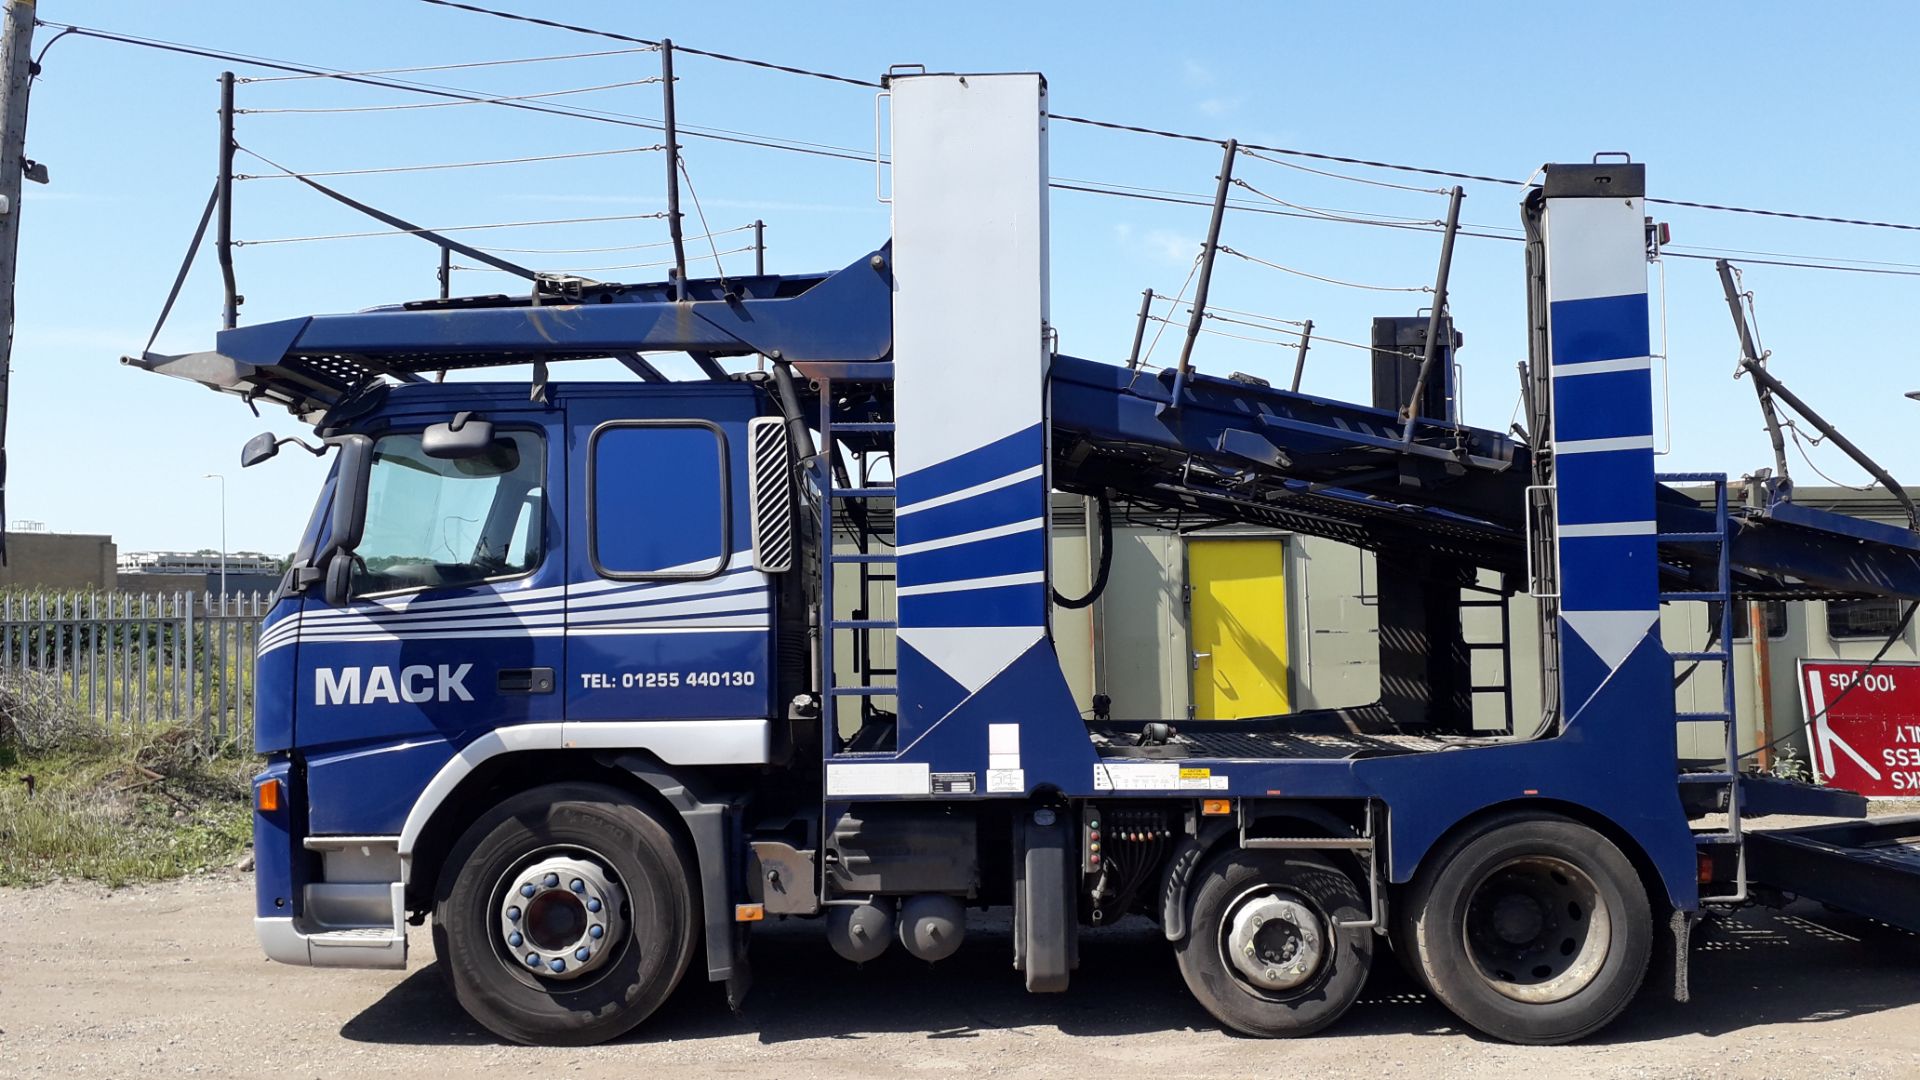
column 1239, row 627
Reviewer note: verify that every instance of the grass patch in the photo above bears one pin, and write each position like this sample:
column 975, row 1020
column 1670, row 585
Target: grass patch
column 120, row 809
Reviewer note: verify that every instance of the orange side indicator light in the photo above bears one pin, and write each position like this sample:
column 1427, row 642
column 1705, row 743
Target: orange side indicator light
column 1216, row 807
column 1531, row 791
column 266, row 797
column 749, row 912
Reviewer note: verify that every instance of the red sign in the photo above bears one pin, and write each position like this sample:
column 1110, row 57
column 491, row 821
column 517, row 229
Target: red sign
column 1864, row 726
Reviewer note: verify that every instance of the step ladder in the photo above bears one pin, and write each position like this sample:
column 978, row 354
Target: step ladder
column 848, row 499
column 1490, row 599
column 1719, row 650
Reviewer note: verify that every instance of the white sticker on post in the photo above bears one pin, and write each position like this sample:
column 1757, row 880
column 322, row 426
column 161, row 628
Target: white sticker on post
column 1004, row 739
column 879, row 779
column 1006, row 780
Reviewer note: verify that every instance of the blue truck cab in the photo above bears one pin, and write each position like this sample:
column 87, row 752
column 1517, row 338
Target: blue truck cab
column 597, row 676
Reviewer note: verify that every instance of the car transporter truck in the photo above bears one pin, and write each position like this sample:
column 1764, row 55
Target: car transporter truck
column 601, row 675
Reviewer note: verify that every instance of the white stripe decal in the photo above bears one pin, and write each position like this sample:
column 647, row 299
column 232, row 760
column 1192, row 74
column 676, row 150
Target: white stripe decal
column 662, row 612
column 1601, row 367
column 1000, row 581
column 636, row 631
column 1601, row 446
column 544, row 631
column 969, row 492
column 992, row 533
column 750, row 624
column 533, row 599
column 1609, row 528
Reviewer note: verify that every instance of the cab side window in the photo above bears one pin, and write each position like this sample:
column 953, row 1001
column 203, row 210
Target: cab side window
column 659, row 501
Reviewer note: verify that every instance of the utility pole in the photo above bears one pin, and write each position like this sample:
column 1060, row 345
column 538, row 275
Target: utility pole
column 16, row 44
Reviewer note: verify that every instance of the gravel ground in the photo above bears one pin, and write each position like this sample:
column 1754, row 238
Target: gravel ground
column 166, row 980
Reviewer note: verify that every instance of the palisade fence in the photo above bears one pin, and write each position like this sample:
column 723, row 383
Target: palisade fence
column 129, row 660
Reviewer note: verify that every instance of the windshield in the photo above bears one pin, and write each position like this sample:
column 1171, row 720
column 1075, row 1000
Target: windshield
column 434, row 522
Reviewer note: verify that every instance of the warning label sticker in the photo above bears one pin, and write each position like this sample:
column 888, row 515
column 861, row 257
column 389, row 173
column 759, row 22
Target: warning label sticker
column 1154, row 776
column 1201, row 780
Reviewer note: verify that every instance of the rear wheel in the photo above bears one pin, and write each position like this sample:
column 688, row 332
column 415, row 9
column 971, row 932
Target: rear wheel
column 1531, row 929
column 565, row 916
column 1264, row 951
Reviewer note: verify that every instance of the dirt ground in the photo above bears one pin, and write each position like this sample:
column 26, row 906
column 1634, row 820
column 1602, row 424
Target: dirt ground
column 165, row 980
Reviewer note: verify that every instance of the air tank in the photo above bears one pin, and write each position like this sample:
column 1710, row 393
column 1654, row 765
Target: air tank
column 859, row 932
column 932, row 925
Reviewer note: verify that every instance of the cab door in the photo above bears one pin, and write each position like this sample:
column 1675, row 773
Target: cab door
column 669, row 623
column 455, row 628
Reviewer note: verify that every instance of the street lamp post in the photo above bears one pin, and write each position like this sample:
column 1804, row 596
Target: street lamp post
column 223, row 534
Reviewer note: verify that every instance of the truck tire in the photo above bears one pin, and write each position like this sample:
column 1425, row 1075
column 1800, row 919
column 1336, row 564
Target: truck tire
column 1401, row 937
column 565, row 915
column 1262, row 951
column 1532, row 928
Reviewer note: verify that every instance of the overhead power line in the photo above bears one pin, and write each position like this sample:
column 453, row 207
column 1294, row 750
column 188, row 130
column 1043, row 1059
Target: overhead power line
column 448, row 229
column 577, row 29
column 446, row 104
column 1449, row 174
column 1225, row 250
column 616, row 247
column 450, row 164
column 453, row 67
column 863, row 157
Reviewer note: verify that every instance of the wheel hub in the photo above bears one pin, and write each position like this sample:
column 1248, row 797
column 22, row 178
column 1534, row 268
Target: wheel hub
column 1537, row 929
column 1274, row 942
column 559, row 917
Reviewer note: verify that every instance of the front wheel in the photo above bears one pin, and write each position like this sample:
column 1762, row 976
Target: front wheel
column 1531, row 929
column 565, row 916
column 1267, row 950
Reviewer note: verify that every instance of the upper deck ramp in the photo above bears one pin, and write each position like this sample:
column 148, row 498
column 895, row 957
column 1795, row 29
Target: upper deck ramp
column 1230, row 450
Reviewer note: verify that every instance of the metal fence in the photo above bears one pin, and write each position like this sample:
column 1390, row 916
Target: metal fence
column 127, row 660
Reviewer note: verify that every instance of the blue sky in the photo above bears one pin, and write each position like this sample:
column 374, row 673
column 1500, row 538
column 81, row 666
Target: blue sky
column 1752, row 104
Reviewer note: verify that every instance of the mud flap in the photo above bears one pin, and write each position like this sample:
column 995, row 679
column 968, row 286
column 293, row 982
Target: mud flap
column 1045, row 921
column 1682, row 927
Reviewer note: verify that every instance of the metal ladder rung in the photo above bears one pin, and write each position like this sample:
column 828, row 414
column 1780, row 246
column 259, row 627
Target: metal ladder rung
column 865, row 426
column 1706, row 778
column 1691, row 537
column 863, row 624
column 864, row 558
column 1722, row 655
column 1716, row 838
column 1723, row 717
column 1692, row 595
column 865, row 691
column 862, row 493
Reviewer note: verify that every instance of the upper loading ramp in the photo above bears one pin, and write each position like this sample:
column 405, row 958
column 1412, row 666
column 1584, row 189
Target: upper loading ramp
column 1230, row 450
column 1234, row 450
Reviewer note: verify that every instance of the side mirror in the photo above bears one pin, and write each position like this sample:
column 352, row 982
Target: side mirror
column 465, row 436
column 348, row 517
column 258, row 449
column 339, row 586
